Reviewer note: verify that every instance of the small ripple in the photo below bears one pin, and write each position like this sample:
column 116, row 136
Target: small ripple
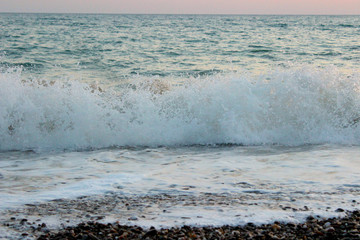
column 22, row 64
column 347, row 26
column 260, row 50
column 279, row 25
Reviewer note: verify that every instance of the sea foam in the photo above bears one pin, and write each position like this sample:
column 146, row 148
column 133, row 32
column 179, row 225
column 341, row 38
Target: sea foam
column 287, row 107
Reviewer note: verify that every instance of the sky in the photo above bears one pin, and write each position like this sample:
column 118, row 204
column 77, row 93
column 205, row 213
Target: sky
column 184, row 6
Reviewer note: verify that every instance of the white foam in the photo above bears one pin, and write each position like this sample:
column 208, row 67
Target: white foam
column 290, row 107
column 197, row 185
column 86, row 187
column 227, row 216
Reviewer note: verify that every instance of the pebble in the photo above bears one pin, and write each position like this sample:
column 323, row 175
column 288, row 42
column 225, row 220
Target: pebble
column 314, row 228
column 23, row 221
column 327, row 224
column 133, row 218
column 330, row 229
column 276, row 227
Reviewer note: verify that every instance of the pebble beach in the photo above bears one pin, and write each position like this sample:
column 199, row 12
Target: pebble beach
column 91, row 218
column 334, row 228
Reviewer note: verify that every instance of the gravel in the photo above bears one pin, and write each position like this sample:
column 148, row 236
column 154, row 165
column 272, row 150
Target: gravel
column 347, row 227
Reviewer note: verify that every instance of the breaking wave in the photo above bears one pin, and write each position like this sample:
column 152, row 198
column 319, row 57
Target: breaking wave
column 286, row 107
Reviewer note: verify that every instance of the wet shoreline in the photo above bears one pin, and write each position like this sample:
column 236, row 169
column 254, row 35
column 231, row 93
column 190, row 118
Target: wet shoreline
column 347, row 227
column 238, row 216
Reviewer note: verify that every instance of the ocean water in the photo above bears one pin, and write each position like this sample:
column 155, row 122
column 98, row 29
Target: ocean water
column 261, row 114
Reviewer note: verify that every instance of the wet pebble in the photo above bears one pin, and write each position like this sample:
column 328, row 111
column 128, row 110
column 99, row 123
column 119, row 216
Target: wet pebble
column 313, row 228
column 133, row 218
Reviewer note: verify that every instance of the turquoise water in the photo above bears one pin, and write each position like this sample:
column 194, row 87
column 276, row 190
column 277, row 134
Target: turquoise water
column 116, row 47
column 260, row 108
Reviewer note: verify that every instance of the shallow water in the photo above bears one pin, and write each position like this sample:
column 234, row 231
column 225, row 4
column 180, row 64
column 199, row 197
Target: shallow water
column 268, row 182
column 214, row 119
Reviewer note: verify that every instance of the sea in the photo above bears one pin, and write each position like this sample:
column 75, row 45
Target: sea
column 232, row 118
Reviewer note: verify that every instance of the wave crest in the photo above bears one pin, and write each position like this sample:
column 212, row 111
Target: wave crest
column 288, row 107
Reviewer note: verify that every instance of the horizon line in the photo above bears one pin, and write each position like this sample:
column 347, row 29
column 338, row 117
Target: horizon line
column 230, row 14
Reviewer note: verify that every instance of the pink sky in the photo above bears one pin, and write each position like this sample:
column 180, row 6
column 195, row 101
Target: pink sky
column 185, row 6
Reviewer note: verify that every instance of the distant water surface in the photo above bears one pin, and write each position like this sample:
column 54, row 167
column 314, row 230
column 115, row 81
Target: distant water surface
column 115, row 47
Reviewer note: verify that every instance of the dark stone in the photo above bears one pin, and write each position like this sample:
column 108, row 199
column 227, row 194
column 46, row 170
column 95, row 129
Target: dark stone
column 150, row 233
column 23, row 221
